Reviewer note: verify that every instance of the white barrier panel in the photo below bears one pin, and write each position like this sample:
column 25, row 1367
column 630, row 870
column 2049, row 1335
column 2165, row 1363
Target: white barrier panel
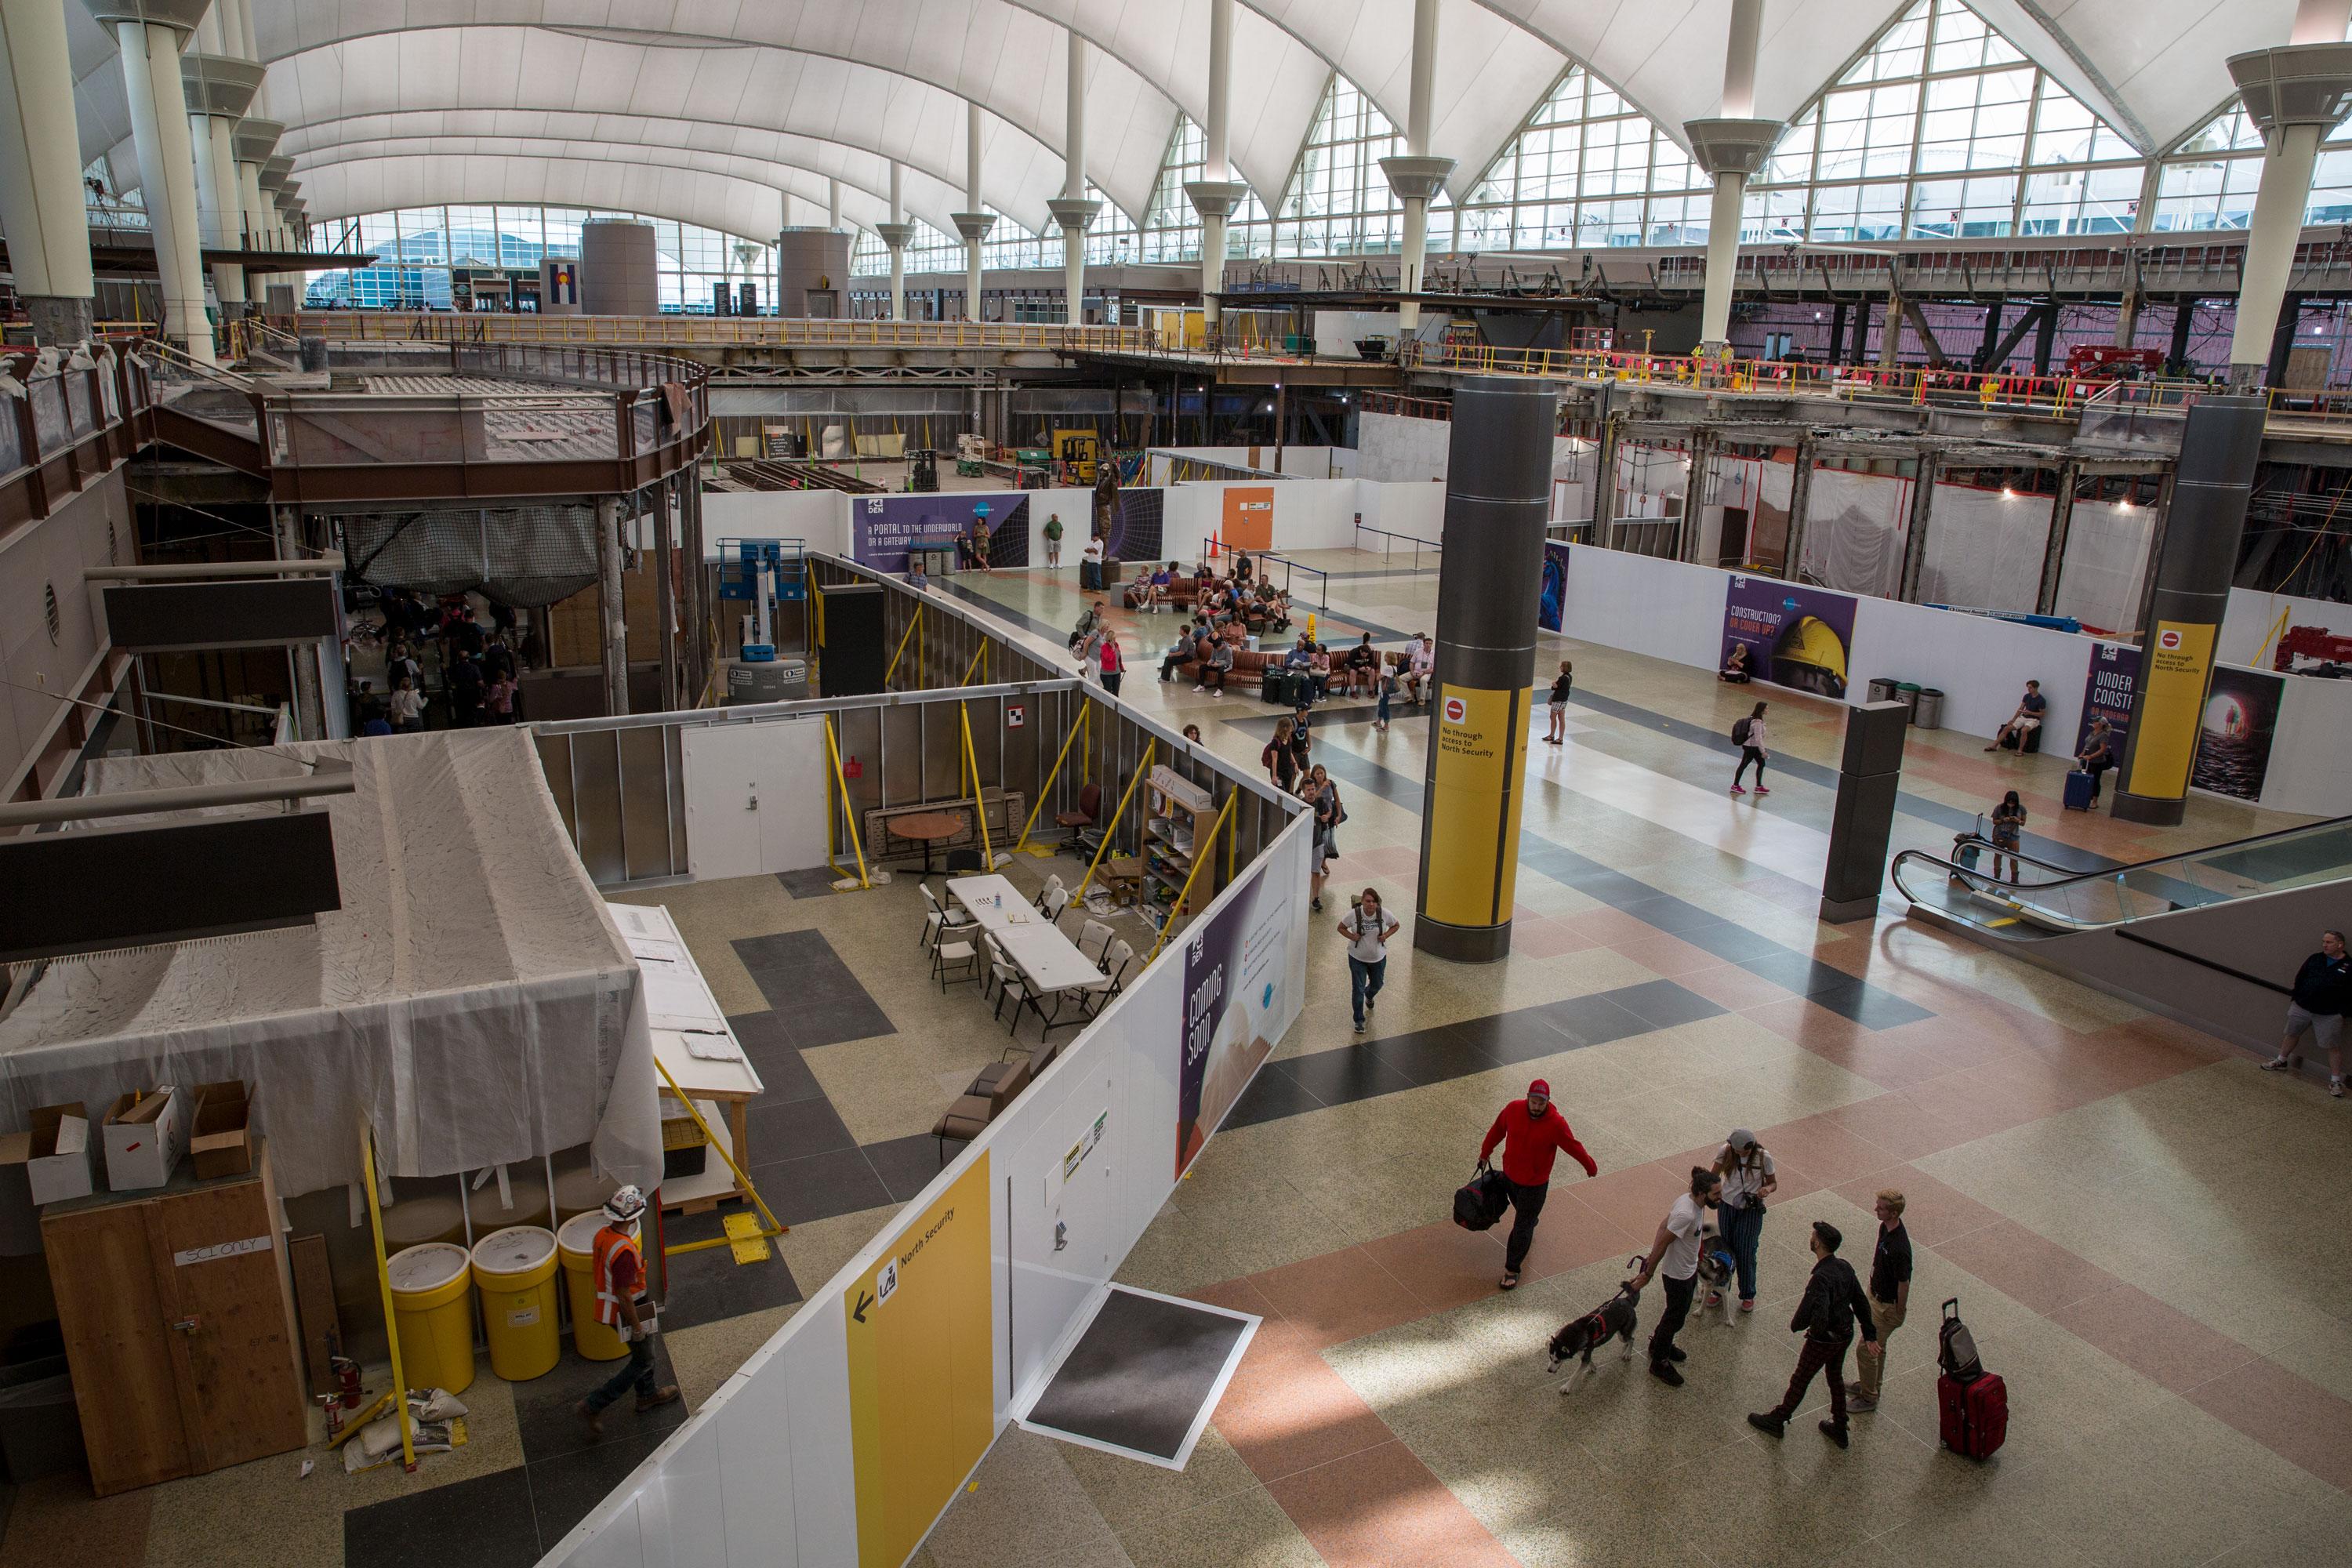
column 784, row 1464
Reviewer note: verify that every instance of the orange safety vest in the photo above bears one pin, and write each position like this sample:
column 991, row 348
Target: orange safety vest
column 610, row 1245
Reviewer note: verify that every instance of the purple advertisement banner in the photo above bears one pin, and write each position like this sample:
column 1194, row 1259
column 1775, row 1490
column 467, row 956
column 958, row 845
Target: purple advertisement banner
column 1552, row 599
column 1235, row 965
column 1795, row 636
column 2107, row 694
column 882, row 528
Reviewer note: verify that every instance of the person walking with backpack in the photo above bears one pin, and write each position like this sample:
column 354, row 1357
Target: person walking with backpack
column 1749, row 1178
column 2323, row 990
column 1826, row 1315
column 1532, row 1132
column 1368, row 927
column 1890, row 1297
column 1674, row 1252
column 1748, row 734
column 1324, row 795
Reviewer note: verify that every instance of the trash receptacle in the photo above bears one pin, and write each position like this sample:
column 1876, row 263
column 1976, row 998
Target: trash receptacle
column 433, row 1316
column 516, row 1270
column 1906, row 692
column 1882, row 689
column 575, row 1244
column 1929, row 712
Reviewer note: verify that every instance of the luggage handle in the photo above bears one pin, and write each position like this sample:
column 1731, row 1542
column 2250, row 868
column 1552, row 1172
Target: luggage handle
column 1952, row 1309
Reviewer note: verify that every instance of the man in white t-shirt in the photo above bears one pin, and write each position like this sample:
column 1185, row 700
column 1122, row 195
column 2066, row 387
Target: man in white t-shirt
column 1674, row 1253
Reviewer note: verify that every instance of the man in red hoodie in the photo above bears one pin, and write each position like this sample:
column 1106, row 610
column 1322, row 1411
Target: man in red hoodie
column 1531, row 1133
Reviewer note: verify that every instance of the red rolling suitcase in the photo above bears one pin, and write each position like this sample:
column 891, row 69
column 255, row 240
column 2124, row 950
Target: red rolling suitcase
column 1971, row 1403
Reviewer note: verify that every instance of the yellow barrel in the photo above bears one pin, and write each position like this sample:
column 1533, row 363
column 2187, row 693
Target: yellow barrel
column 433, row 1319
column 578, row 1188
column 516, row 1270
column 575, row 1244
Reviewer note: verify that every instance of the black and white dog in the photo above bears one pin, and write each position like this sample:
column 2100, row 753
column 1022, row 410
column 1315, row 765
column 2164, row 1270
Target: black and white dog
column 1580, row 1337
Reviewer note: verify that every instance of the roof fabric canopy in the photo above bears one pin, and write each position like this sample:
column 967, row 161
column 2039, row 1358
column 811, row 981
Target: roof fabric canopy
column 472, row 998
column 888, row 79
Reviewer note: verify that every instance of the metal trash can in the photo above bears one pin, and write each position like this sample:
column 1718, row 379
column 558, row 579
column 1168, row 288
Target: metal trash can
column 1928, row 713
column 1882, row 689
column 1906, row 692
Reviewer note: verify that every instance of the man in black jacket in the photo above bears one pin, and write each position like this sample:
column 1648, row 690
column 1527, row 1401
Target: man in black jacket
column 1832, row 1307
column 2322, row 993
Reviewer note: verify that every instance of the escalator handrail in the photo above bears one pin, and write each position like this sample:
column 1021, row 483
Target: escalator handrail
column 1992, row 884
column 2072, row 874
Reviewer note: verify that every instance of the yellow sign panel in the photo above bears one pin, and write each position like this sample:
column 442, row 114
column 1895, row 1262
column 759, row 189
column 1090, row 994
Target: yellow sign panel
column 2171, row 709
column 1472, row 866
column 923, row 1377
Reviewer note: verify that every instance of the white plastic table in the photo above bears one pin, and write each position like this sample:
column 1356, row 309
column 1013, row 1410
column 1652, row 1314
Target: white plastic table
column 1050, row 960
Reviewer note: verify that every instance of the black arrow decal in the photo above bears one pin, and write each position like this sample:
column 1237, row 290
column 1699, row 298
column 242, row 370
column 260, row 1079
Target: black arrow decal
column 864, row 1302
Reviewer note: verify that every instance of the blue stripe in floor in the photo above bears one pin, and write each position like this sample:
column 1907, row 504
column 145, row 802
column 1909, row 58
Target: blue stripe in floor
column 1344, row 1074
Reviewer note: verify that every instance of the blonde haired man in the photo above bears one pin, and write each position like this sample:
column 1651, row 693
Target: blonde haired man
column 1890, row 1294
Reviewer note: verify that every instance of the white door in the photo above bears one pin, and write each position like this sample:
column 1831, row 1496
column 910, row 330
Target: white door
column 755, row 798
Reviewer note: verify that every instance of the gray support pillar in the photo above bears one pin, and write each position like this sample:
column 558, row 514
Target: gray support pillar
column 2127, row 307
column 310, row 704
column 663, row 522
column 689, row 492
column 1890, row 340
column 974, row 224
column 2045, row 336
column 2184, row 317
column 2053, row 554
column 1990, row 347
column 1862, row 331
column 1497, row 495
column 1915, row 531
column 2294, row 96
column 1836, row 354
column 148, row 36
column 1074, row 210
column 1800, row 501
column 1870, row 777
column 1604, row 477
column 1216, row 192
column 612, row 629
column 1705, row 447
column 2219, row 445
column 1730, row 152
column 41, row 206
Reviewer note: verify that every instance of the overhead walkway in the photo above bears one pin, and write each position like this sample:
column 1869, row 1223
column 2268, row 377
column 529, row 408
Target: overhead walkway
column 2210, row 935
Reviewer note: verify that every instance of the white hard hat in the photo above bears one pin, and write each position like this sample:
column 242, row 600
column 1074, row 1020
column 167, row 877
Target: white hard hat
column 624, row 1206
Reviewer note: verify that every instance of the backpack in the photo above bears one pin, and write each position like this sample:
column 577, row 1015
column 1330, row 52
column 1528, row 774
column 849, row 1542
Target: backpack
column 1739, row 731
column 1955, row 1348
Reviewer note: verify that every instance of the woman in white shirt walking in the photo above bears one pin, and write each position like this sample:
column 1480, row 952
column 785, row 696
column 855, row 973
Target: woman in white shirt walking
column 1749, row 736
column 1749, row 1178
column 1368, row 927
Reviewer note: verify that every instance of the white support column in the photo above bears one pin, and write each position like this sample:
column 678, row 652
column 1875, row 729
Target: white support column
column 1216, row 192
column 833, row 207
column 148, row 38
column 220, row 88
column 1072, row 209
column 255, row 142
column 974, row 224
column 2294, row 95
column 895, row 234
column 1414, row 175
column 1730, row 150
column 41, row 206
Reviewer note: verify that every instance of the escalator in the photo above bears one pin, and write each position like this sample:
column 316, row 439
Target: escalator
column 2211, row 935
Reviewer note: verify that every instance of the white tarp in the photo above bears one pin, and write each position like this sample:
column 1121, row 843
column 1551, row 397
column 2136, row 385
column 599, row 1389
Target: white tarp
column 472, row 998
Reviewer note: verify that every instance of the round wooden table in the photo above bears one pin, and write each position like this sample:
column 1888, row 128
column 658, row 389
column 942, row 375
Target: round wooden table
column 927, row 828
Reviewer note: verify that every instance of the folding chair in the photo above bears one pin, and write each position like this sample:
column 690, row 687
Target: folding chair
column 940, row 919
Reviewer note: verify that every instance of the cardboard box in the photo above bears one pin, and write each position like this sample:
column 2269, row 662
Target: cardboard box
column 145, row 1135
column 56, row 1154
column 220, row 1138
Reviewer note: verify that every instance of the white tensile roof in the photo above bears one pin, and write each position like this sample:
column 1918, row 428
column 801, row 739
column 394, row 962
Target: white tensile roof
column 731, row 104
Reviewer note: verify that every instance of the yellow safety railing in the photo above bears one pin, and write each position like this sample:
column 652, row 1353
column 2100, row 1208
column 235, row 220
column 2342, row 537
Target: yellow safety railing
column 912, row 627
column 849, row 814
column 1200, row 858
column 774, row 1226
column 1045, row 793
column 971, row 770
column 1110, row 829
column 716, row 331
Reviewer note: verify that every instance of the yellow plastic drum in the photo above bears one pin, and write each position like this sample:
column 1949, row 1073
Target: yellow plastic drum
column 576, row 1245
column 434, row 1319
column 516, row 1270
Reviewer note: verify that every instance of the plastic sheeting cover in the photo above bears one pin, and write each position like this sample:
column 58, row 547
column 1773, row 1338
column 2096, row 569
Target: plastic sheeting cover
column 472, row 999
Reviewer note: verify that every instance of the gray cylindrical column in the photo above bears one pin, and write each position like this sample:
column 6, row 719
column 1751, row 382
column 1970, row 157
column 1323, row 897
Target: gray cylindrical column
column 1497, row 489
column 2294, row 96
column 41, row 205
column 2219, row 445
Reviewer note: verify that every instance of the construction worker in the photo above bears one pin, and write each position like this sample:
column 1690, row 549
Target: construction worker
column 622, row 1306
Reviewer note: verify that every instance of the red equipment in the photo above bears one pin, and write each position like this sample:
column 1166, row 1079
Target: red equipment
column 2332, row 653
column 2103, row 361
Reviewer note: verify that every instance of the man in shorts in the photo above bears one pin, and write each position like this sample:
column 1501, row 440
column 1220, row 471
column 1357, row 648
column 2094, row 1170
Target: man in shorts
column 2323, row 987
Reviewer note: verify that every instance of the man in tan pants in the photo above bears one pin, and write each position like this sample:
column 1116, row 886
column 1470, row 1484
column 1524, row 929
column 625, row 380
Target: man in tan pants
column 1889, row 1291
